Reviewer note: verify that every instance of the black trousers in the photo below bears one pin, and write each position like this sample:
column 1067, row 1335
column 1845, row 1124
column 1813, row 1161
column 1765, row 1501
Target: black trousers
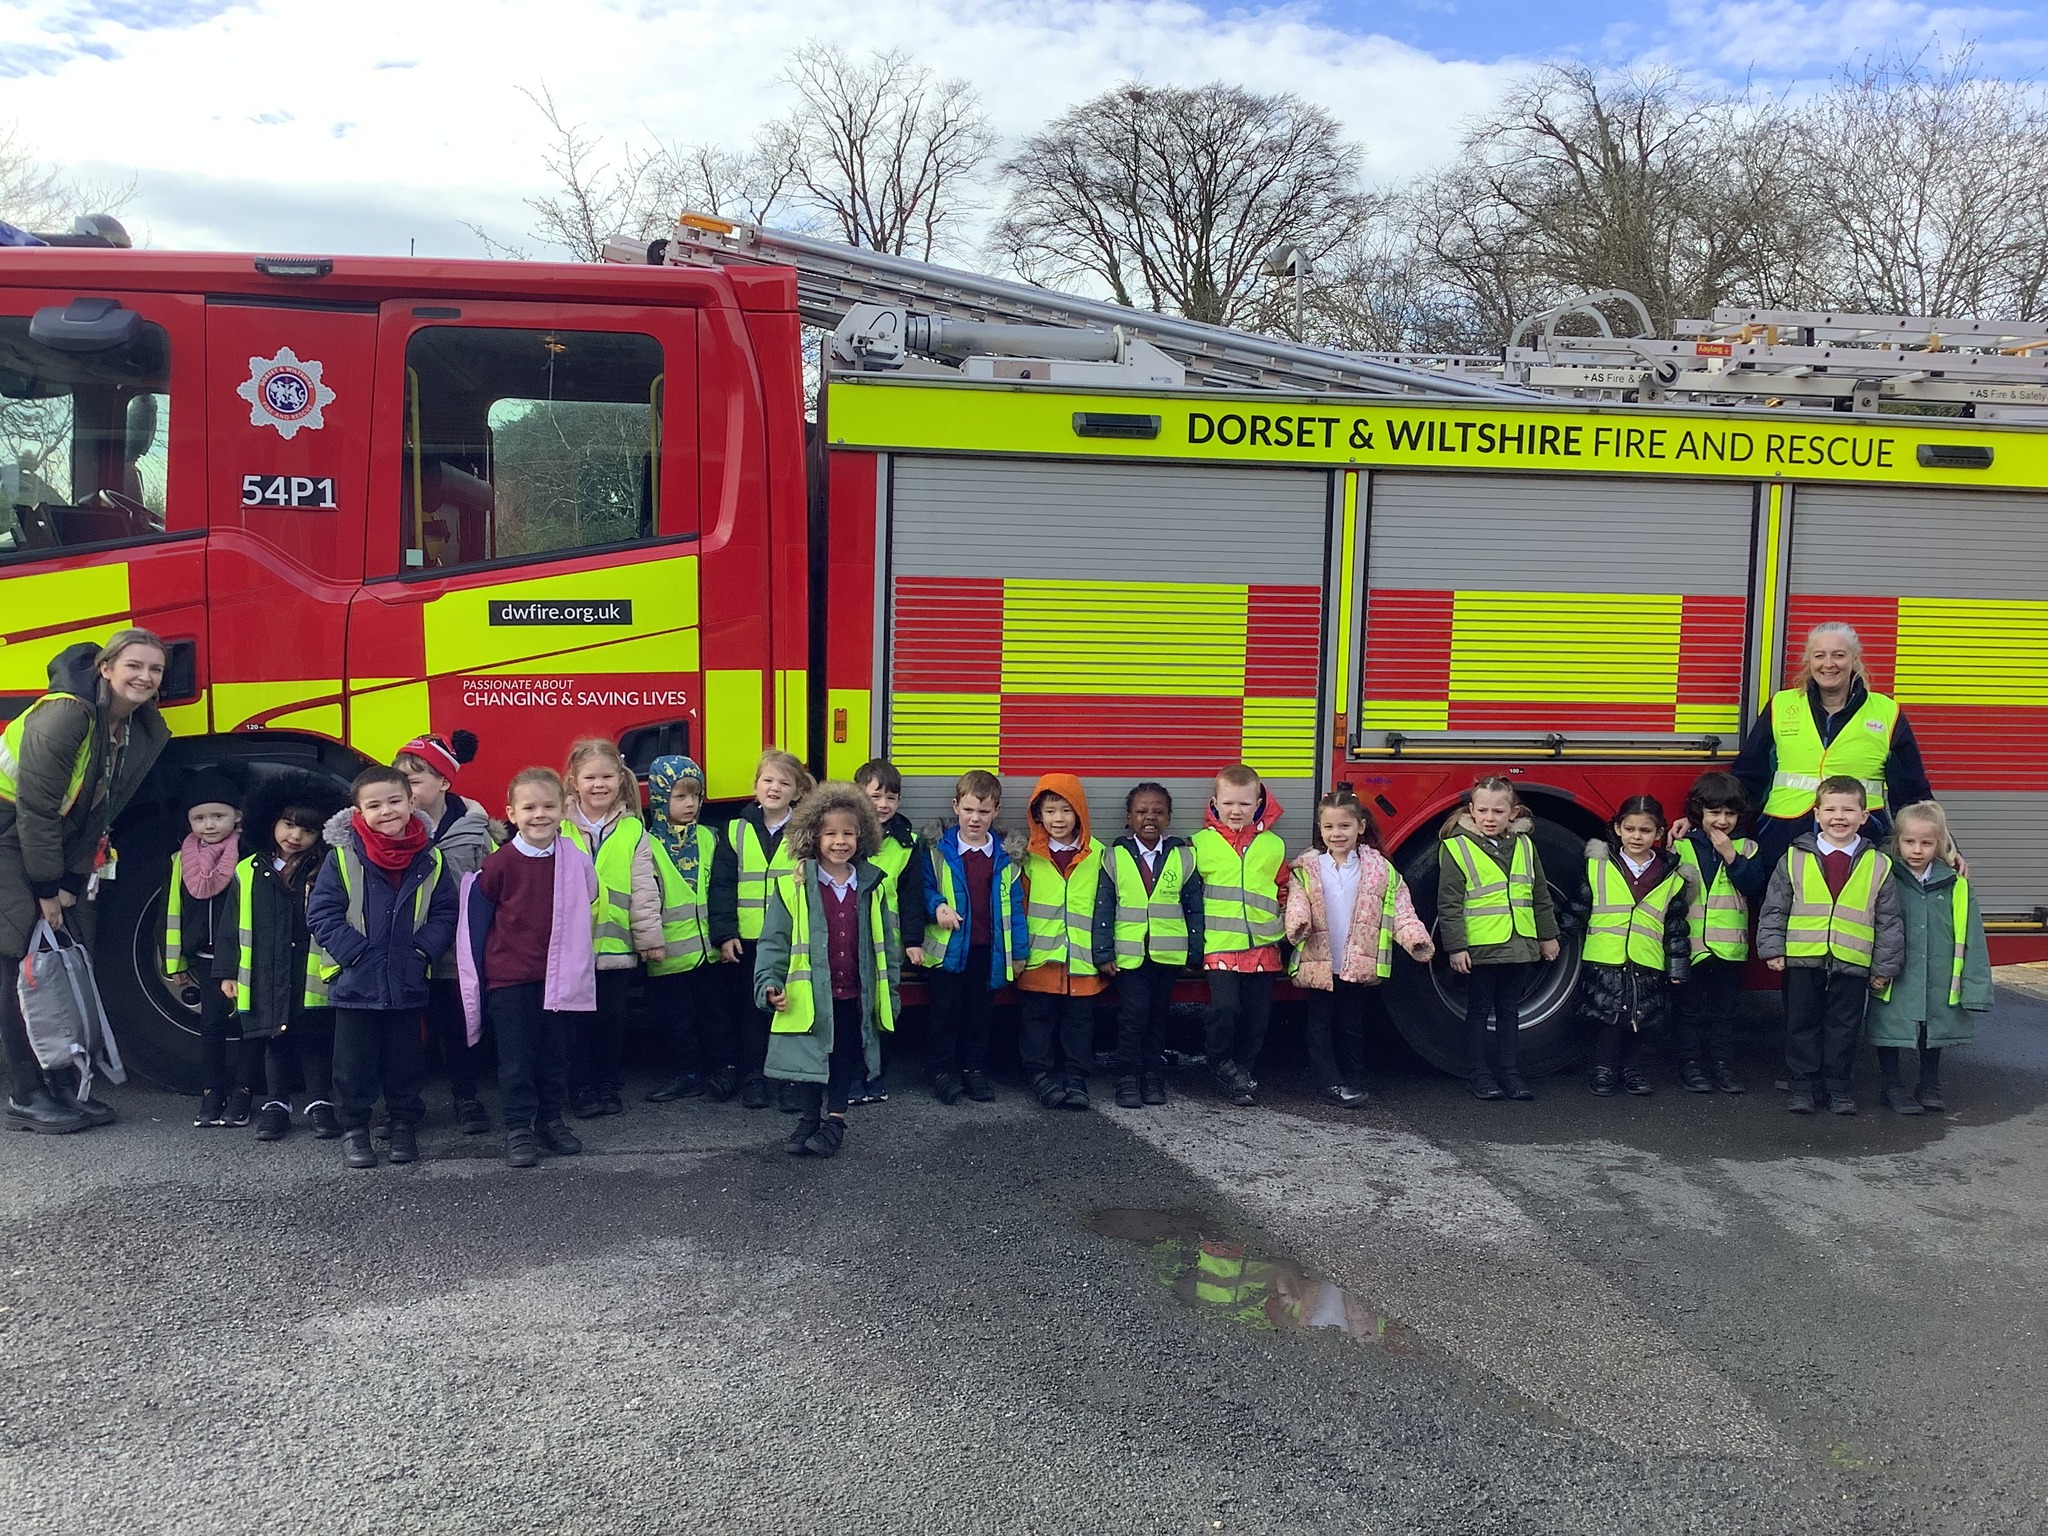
column 1890, row 1058
column 1144, row 995
column 1705, row 1024
column 1057, row 1034
column 1616, row 1046
column 302, row 1056
column 450, row 1034
column 689, row 1010
column 847, row 1065
column 1495, row 990
column 533, row 1053
column 227, row 1061
column 750, row 1025
column 962, row 1014
column 1336, row 1033
column 1240, row 1005
column 1823, row 1025
column 598, row 1040
column 379, row 1048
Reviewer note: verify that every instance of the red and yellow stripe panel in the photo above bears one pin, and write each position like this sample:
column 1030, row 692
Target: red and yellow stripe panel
column 1652, row 663
column 1968, row 672
column 1030, row 675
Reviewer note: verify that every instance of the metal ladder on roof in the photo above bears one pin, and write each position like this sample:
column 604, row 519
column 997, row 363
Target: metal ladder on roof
column 940, row 312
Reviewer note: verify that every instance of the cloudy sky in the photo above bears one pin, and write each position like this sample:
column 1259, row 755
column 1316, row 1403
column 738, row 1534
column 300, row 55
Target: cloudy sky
column 366, row 125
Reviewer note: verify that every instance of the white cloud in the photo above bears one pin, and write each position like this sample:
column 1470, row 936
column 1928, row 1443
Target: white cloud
column 1781, row 38
column 354, row 128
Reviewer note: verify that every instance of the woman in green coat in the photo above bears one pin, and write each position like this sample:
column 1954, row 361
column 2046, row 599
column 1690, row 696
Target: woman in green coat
column 826, row 967
column 1947, row 975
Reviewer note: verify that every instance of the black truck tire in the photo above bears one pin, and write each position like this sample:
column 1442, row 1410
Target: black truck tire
column 1428, row 1001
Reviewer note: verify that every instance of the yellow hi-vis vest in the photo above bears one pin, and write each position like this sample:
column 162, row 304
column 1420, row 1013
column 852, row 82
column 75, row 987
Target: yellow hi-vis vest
column 614, row 861
column 1843, row 926
column 350, row 865
column 10, row 752
column 1497, row 905
column 1240, row 899
column 1150, row 925
column 1389, row 904
column 892, row 858
column 685, row 912
column 1859, row 749
column 1002, row 889
column 174, row 919
column 317, row 963
column 1622, row 928
column 1959, row 921
column 801, row 1016
column 1720, row 919
column 1059, row 910
column 756, row 870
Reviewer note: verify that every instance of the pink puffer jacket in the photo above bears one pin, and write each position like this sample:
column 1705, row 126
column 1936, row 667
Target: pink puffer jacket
column 1308, row 928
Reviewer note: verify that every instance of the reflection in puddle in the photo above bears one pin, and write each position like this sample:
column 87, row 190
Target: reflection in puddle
column 1225, row 1279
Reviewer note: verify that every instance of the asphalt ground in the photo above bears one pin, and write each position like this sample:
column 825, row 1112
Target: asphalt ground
column 1673, row 1315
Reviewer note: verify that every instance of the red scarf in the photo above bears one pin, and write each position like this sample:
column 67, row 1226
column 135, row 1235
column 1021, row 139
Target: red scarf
column 393, row 855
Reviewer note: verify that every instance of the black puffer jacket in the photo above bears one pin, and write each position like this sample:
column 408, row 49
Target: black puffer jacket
column 1629, row 993
column 279, row 938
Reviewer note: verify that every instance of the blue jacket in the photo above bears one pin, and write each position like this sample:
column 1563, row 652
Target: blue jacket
column 385, row 965
column 1015, row 942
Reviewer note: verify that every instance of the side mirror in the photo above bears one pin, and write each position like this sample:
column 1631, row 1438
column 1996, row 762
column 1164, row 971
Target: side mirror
column 141, row 433
column 85, row 325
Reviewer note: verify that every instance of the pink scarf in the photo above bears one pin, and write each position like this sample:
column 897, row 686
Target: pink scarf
column 208, row 868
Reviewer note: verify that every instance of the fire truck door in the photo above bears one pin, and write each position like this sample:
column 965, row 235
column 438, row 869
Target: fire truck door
column 532, row 557
column 102, row 454
column 289, row 393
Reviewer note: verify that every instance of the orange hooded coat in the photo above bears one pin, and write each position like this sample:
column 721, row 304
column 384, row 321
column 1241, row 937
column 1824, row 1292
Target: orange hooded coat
column 1054, row 977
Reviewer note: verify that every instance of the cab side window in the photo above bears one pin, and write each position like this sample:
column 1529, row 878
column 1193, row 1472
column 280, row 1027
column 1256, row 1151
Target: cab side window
column 84, row 440
column 522, row 443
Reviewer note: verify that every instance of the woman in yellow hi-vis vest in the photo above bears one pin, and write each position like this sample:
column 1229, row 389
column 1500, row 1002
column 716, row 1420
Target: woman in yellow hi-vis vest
column 69, row 764
column 1827, row 722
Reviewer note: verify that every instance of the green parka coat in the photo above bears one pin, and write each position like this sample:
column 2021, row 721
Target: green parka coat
column 1920, row 995
column 806, row 1057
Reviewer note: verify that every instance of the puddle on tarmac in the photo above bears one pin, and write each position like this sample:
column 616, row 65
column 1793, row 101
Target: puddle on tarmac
column 1217, row 1275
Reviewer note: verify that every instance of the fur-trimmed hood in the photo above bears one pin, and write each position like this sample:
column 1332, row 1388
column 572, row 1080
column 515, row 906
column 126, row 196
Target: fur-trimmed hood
column 1521, row 826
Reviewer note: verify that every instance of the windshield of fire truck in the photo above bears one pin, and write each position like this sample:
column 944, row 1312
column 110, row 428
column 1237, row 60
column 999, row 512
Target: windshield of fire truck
column 84, row 441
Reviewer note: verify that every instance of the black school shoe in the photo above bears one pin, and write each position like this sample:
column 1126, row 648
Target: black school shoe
column 828, row 1138
column 722, row 1084
column 585, row 1104
column 686, row 1087
column 1516, row 1087
column 974, row 1082
column 1841, row 1104
column 237, row 1112
column 213, row 1106
column 521, row 1150
column 1345, row 1096
column 1052, row 1093
column 1725, row 1078
column 471, row 1117
column 1154, row 1087
column 946, row 1087
column 1128, row 1094
column 1633, row 1080
column 275, row 1121
column 1604, row 1081
column 1800, row 1101
column 405, row 1142
column 1929, row 1095
column 798, row 1142
column 1486, row 1086
column 325, row 1122
column 1076, row 1096
column 1693, row 1079
column 38, row 1111
column 556, row 1137
column 357, row 1150
column 754, row 1095
column 1900, row 1102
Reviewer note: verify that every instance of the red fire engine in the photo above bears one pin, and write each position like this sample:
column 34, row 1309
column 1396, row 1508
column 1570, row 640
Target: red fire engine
column 362, row 498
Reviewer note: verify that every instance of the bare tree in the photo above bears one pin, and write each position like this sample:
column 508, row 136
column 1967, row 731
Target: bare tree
column 1172, row 197
column 1929, row 184
column 37, row 194
column 882, row 151
column 1638, row 180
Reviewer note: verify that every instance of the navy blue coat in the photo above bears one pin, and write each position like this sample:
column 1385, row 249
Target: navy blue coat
column 385, row 966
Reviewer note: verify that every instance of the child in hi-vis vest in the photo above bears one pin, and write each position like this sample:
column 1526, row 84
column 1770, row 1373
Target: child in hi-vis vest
column 1243, row 865
column 1727, row 876
column 1494, row 921
column 699, row 932
column 199, row 922
column 826, row 968
column 1638, row 944
column 1945, row 979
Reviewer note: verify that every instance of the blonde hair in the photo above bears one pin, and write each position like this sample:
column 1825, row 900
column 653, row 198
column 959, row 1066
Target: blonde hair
column 547, row 778
column 1492, row 781
column 1935, row 817
column 799, row 775
column 121, row 639
column 808, row 819
column 1835, row 628
column 596, row 746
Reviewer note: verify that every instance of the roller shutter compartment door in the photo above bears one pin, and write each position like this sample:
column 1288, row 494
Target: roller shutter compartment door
column 1523, row 606
column 1119, row 622
column 1949, row 592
